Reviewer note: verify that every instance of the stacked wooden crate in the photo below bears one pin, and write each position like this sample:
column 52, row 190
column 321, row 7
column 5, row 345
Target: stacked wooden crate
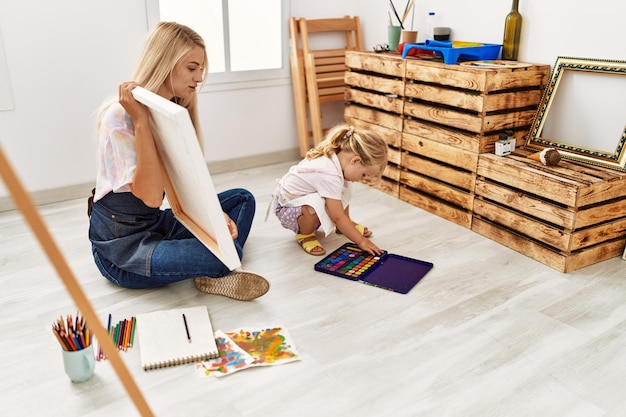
column 375, row 101
column 567, row 217
column 452, row 114
column 442, row 121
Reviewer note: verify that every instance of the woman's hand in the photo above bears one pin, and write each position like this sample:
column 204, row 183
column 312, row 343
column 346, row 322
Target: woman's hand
column 137, row 111
column 232, row 227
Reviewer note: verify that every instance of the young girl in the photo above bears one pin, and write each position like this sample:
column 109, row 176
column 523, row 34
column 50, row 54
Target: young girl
column 136, row 244
column 315, row 193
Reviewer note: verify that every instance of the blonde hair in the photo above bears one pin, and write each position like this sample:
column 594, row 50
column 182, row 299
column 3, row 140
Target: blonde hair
column 164, row 47
column 366, row 144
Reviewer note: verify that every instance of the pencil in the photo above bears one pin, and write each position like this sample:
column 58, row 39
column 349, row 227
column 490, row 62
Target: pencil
column 127, row 335
column 59, row 338
column 186, row 328
column 101, row 352
column 132, row 331
column 116, row 333
column 81, row 339
column 69, row 339
column 122, row 333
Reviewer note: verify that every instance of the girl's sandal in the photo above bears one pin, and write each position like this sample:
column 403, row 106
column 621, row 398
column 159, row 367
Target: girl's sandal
column 362, row 230
column 310, row 244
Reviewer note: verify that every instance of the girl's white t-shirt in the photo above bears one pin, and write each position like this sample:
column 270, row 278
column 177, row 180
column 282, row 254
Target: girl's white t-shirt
column 322, row 175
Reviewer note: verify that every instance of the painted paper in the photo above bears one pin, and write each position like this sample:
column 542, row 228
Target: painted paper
column 270, row 346
column 231, row 358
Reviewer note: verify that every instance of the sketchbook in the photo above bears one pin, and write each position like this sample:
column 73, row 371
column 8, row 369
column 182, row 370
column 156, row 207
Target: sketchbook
column 167, row 338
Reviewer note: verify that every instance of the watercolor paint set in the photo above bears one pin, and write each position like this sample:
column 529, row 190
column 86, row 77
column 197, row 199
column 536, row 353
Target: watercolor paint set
column 388, row 271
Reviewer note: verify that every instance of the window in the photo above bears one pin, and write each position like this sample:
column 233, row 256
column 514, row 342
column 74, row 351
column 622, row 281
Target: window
column 247, row 41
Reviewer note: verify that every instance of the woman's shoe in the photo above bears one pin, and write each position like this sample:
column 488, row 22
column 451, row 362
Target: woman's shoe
column 239, row 285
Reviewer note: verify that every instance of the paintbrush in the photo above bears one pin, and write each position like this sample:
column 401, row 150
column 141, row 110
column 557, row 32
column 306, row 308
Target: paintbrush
column 407, row 10
column 396, row 13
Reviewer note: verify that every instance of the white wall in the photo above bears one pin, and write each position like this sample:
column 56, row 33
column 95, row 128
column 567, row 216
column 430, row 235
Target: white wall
column 64, row 57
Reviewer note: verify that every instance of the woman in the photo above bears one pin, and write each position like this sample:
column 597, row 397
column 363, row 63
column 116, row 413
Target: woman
column 135, row 244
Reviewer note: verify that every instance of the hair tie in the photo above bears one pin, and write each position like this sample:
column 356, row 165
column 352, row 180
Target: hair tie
column 349, row 133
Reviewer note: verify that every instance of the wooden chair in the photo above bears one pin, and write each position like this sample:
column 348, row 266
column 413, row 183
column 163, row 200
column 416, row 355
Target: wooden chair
column 318, row 74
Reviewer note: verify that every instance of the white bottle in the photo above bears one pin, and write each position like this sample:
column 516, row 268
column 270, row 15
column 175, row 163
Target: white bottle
column 430, row 24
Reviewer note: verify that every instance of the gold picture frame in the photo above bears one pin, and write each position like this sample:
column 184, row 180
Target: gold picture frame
column 581, row 113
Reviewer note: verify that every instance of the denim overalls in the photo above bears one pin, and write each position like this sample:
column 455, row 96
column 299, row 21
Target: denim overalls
column 136, row 246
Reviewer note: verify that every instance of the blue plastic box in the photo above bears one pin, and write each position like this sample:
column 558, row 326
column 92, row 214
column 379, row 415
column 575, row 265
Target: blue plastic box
column 451, row 55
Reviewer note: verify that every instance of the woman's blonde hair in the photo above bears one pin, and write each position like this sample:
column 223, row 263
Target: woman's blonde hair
column 164, row 47
column 366, row 144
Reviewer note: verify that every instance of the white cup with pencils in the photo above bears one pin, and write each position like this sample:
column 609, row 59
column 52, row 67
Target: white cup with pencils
column 76, row 341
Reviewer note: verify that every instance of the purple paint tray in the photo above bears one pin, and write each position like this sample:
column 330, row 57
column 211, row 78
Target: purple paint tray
column 388, row 271
column 452, row 54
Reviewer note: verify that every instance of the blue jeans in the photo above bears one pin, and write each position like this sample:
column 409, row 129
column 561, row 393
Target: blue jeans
column 135, row 246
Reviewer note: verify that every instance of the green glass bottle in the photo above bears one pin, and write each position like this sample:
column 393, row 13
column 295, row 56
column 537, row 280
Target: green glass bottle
column 512, row 30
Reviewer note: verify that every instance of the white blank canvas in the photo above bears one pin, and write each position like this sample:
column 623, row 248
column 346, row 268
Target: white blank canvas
column 189, row 186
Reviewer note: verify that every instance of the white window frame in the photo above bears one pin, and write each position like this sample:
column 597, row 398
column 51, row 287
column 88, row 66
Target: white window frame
column 234, row 80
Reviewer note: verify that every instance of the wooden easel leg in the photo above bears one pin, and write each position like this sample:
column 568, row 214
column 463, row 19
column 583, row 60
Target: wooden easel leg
column 25, row 204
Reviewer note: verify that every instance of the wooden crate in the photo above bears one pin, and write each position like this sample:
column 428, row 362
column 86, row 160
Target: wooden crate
column 452, row 113
column 438, row 177
column 478, row 101
column 374, row 101
column 384, row 124
column 566, row 217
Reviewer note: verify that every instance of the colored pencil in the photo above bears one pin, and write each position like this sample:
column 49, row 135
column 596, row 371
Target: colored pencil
column 60, row 339
column 132, row 332
column 126, row 334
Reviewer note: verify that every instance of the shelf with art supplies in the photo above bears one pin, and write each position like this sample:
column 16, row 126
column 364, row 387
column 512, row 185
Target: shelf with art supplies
column 443, row 117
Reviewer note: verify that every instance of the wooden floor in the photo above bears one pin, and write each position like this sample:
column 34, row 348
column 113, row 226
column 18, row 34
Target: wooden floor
column 488, row 332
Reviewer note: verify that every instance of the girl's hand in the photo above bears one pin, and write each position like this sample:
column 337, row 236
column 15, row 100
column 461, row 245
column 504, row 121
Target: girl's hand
column 232, row 227
column 369, row 246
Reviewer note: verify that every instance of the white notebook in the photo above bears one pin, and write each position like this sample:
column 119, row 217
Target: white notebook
column 163, row 340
